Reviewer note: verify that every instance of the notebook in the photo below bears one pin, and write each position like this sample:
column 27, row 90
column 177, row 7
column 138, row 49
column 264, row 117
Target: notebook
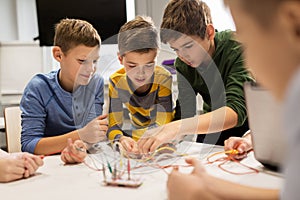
column 264, row 116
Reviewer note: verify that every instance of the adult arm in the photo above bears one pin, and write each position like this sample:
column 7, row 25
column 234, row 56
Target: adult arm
column 204, row 186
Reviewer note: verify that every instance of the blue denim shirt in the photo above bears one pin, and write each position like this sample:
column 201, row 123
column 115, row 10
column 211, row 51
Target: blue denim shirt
column 48, row 110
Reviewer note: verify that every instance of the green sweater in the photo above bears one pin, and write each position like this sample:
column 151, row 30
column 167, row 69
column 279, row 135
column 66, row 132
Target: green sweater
column 220, row 83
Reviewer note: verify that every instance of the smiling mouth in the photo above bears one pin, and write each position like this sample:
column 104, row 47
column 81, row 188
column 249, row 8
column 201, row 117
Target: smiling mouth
column 189, row 63
column 86, row 76
column 140, row 80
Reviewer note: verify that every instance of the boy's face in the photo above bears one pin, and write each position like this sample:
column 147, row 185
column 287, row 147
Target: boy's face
column 192, row 50
column 79, row 64
column 139, row 67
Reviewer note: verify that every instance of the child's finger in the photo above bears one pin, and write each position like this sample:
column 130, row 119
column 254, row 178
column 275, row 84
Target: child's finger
column 68, row 157
column 240, row 156
column 38, row 160
column 126, row 145
column 30, row 166
column 241, row 148
column 69, row 144
column 198, row 168
column 100, row 117
column 63, row 158
column 26, row 173
column 78, row 145
column 134, row 147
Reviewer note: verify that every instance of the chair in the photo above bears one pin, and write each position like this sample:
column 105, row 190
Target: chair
column 12, row 120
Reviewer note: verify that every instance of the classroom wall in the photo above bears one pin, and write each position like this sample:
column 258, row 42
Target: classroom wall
column 19, row 54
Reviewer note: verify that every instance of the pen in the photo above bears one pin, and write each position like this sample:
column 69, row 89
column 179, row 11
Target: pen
column 80, row 149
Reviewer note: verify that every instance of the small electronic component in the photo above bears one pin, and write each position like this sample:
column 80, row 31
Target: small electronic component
column 133, row 183
column 117, row 179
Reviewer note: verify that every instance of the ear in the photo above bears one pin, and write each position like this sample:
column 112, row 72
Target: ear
column 120, row 58
column 57, row 53
column 290, row 15
column 210, row 32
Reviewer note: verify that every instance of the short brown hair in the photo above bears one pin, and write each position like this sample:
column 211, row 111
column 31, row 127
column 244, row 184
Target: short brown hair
column 138, row 35
column 188, row 17
column 73, row 32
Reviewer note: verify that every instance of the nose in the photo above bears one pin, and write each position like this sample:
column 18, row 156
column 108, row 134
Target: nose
column 140, row 70
column 182, row 54
column 90, row 67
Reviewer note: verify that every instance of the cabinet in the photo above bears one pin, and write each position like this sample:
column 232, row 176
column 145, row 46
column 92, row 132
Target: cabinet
column 19, row 62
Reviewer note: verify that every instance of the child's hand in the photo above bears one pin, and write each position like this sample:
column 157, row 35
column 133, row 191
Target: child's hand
column 18, row 165
column 11, row 169
column 243, row 145
column 95, row 130
column 74, row 152
column 129, row 144
column 31, row 162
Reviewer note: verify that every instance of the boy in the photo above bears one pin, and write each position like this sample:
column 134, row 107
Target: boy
column 209, row 64
column 15, row 166
column 145, row 89
column 272, row 50
column 66, row 103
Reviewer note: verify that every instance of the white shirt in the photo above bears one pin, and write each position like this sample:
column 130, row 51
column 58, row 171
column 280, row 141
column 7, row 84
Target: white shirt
column 291, row 124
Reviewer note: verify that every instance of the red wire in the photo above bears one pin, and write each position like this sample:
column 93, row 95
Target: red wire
column 227, row 159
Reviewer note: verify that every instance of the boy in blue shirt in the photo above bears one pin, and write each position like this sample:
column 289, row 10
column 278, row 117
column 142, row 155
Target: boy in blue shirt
column 66, row 104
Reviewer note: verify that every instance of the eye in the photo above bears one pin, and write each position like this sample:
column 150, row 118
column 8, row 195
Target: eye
column 81, row 61
column 150, row 65
column 95, row 61
column 189, row 46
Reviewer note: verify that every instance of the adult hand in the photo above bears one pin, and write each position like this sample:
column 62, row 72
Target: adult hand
column 74, row 152
column 95, row 130
column 196, row 183
column 243, row 145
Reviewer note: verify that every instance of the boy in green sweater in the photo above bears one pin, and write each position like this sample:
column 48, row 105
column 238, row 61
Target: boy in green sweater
column 209, row 63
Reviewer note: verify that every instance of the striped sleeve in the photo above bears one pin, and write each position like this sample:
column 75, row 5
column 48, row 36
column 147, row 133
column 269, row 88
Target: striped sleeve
column 163, row 111
column 115, row 114
column 165, row 108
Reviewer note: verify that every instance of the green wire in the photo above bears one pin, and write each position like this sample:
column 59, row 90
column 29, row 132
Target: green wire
column 109, row 167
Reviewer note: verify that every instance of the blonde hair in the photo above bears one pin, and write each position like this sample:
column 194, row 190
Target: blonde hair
column 138, row 35
column 189, row 17
column 70, row 33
